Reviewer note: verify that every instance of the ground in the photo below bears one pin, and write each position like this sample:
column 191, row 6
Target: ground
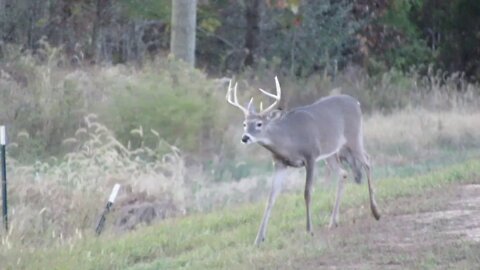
column 439, row 229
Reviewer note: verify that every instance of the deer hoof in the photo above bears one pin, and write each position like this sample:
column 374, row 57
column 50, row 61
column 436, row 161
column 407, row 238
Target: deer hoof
column 333, row 225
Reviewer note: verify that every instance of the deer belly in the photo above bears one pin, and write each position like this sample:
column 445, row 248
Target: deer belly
column 324, row 156
column 295, row 163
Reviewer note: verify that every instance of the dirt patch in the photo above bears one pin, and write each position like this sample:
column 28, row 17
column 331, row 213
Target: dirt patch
column 137, row 209
column 436, row 230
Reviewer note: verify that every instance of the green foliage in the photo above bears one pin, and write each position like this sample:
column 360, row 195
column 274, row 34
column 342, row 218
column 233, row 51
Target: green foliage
column 415, row 54
column 457, row 24
column 307, row 36
column 443, row 33
column 147, row 9
column 410, row 48
column 399, row 16
column 47, row 103
column 38, row 100
column 178, row 103
column 321, row 34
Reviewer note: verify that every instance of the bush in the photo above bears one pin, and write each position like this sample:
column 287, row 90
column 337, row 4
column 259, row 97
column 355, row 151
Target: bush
column 40, row 100
column 169, row 100
column 45, row 102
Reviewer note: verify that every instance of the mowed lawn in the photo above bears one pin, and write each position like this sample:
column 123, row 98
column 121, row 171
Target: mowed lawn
column 224, row 239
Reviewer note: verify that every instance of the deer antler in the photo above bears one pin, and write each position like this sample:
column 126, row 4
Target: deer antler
column 277, row 97
column 234, row 102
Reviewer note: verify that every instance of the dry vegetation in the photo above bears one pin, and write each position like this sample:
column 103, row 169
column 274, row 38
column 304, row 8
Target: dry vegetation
column 420, row 133
column 74, row 133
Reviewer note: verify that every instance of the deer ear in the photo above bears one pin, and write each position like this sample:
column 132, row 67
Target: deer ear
column 275, row 114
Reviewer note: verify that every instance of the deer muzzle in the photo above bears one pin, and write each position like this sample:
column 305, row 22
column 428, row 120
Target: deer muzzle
column 246, row 139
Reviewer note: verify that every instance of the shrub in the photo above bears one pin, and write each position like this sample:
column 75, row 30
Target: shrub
column 169, row 100
column 40, row 99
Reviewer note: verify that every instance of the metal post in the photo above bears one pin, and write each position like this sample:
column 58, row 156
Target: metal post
column 111, row 199
column 3, row 142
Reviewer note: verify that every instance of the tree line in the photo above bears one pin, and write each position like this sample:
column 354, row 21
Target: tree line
column 300, row 37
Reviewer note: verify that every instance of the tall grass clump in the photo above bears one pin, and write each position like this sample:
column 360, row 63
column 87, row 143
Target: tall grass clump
column 417, row 135
column 58, row 199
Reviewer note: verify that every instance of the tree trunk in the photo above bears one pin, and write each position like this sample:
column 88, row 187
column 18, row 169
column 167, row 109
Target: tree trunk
column 58, row 25
column 8, row 28
column 3, row 21
column 3, row 5
column 184, row 21
column 93, row 52
column 252, row 17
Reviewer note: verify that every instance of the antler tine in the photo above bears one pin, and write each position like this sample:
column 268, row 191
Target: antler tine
column 235, row 98
column 277, row 97
column 235, row 94
column 228, row 90
column 267, row 93
column 250, row 103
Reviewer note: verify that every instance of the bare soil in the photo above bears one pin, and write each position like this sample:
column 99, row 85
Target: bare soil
column 439, row 229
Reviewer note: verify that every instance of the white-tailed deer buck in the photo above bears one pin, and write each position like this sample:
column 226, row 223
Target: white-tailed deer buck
column 329, row 129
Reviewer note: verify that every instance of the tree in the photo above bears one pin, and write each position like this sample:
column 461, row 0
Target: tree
column 184, row 17
column 252, row 17
column 3, row 20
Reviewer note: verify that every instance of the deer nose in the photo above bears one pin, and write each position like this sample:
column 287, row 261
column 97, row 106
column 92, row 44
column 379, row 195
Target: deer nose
column 245, row 138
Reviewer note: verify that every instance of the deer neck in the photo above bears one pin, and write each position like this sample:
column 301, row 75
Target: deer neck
column 274, row 142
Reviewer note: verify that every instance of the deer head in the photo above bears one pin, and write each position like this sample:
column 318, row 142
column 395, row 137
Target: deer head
column 256, row 123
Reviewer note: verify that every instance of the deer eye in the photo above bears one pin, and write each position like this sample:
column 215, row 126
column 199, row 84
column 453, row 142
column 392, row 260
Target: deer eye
column 259, row 124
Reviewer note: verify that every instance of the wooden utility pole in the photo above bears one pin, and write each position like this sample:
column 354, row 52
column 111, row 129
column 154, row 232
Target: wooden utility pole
column 184, row 23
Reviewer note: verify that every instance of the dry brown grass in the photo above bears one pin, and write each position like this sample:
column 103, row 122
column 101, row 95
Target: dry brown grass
column 420, row 132
column 59, row 199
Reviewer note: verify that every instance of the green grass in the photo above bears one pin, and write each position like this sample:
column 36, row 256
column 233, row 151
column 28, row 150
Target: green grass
column 444, row 157
column 224, row 239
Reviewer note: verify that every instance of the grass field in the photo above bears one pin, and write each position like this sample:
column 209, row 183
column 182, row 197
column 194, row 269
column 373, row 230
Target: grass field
column 223, row 239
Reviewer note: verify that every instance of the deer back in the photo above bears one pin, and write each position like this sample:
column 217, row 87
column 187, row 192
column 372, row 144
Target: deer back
column 316, row 130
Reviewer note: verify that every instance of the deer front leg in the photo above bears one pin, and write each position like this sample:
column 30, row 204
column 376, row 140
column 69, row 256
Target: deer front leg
column 342, row 175
column 310, row 168
column 278, row 176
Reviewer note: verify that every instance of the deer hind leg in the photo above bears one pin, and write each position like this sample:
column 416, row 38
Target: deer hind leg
column 279, row 175
column 363, row 157
column 342, row 174
column 373, row 203
column 346, row 157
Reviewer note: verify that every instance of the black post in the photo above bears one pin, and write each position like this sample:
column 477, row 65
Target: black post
column 108, row 206
column 101, row 221
column 4, row 177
